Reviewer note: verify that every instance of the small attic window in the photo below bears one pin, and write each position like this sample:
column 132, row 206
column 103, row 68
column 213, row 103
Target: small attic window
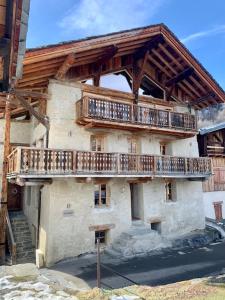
column 149, row 88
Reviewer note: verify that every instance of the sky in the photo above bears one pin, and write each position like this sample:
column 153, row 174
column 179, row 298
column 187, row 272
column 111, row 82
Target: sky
column 199, row 24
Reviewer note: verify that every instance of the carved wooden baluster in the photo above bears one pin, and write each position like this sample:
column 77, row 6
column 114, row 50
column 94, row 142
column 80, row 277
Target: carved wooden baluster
column 35, row 163
column 82, row 161
column 53, row 161
column 41, row 161
column 25, row 162
column 65, row 162
column 78, row 163
column 70, row 161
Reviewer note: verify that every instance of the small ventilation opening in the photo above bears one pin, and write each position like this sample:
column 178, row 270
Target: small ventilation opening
column 156, row 226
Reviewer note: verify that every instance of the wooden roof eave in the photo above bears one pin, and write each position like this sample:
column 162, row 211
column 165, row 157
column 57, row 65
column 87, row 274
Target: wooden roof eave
column 191, row 61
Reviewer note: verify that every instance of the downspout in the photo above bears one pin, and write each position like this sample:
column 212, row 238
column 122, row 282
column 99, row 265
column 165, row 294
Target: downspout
column 47, row 132
column 39, row 217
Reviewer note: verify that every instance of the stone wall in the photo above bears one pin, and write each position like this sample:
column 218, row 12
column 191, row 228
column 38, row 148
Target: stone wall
column 67, row 210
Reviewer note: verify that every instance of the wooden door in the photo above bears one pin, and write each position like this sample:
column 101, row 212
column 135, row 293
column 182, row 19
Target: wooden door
column 14, row 197
column 218, row 210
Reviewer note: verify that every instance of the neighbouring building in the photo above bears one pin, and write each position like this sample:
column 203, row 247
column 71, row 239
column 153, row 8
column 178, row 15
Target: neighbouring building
column 212, row 144
column 104, row 142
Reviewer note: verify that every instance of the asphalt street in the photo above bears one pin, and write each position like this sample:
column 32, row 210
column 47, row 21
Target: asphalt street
column 165, row 267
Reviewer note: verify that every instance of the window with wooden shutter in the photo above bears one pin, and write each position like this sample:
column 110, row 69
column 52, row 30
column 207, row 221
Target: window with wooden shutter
column 163, row 149
column 170, row 191
column 97, row 143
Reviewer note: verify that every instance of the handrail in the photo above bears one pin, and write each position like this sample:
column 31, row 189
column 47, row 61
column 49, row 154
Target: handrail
column 11, row 240
column 94, row 152
column 117, row 111
column 62, row 161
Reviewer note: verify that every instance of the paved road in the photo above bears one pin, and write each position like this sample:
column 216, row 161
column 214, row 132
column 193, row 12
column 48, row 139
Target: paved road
column 167, row 267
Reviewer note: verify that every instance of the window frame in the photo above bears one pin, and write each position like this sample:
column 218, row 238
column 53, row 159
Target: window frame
column 170, row 191
column 107, row 196
column 99, row 140
column 105, row 237
column 133, row 143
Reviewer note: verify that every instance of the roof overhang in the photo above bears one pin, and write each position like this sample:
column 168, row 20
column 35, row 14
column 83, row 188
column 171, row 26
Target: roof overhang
column 13, row 29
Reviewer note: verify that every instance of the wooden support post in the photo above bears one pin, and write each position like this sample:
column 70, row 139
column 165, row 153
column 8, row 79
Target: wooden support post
column 3, row 199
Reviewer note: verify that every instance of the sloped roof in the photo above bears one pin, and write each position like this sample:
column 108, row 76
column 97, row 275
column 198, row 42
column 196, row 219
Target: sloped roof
column 212, row 128
column 170, row 55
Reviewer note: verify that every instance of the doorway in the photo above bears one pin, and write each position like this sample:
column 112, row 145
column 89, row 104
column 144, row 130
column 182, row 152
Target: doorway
column 218, row 210
column 135, row 202
column 14, row 197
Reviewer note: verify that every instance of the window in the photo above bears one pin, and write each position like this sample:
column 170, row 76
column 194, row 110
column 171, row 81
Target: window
column 170, row 190
column 101, row 235
column 101, row 195
column 163, row 149
column 97, row 143
column 132, row 145
column 156, row 226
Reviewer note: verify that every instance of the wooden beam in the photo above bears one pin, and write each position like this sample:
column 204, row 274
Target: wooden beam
column 41, row 118
column 181, row 76
column 148, row 46
column 138, row 73
column 203, row 99
column 68, row 62
column 3, row 199
column 142, row 53
column 26, row 93
column 104, row 58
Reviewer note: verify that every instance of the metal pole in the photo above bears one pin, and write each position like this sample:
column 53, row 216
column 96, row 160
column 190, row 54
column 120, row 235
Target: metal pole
column 98, row 265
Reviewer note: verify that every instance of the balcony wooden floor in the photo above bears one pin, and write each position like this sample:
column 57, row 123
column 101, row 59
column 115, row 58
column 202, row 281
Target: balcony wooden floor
column 48, row 163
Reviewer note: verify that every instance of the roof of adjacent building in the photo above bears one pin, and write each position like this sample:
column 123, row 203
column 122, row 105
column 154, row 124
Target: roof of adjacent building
column 212, row 128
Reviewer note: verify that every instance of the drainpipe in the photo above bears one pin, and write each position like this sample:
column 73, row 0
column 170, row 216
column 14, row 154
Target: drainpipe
column 47, row 137
column 47, row 131
column 39, row 217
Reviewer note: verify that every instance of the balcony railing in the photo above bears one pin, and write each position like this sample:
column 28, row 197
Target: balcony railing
column 118, row 112
column 51, row 162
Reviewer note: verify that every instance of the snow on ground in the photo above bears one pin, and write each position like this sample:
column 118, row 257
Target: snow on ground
column 13, row 289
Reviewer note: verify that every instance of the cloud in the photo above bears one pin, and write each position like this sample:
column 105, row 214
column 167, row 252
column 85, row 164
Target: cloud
column 201, row 34
column 93, row 17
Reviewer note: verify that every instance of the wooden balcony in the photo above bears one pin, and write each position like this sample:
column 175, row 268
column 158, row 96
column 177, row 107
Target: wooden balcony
column 47, row 163
column 95, row 112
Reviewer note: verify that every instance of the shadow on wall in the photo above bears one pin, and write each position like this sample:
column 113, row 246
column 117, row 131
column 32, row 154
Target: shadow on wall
column 211, row 115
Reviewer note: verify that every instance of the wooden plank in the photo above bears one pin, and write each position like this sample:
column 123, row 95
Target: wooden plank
column 41, row 118
column 3, row 203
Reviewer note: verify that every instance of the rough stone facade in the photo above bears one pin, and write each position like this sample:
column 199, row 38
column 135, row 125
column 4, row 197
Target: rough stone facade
column 68, row 214
column 65, row 235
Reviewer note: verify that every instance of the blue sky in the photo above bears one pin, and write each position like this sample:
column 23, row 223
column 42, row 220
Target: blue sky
column 200, row 24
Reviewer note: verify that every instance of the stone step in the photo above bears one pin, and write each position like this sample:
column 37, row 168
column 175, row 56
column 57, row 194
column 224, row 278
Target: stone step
column 22, row 235
column 137, row 240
